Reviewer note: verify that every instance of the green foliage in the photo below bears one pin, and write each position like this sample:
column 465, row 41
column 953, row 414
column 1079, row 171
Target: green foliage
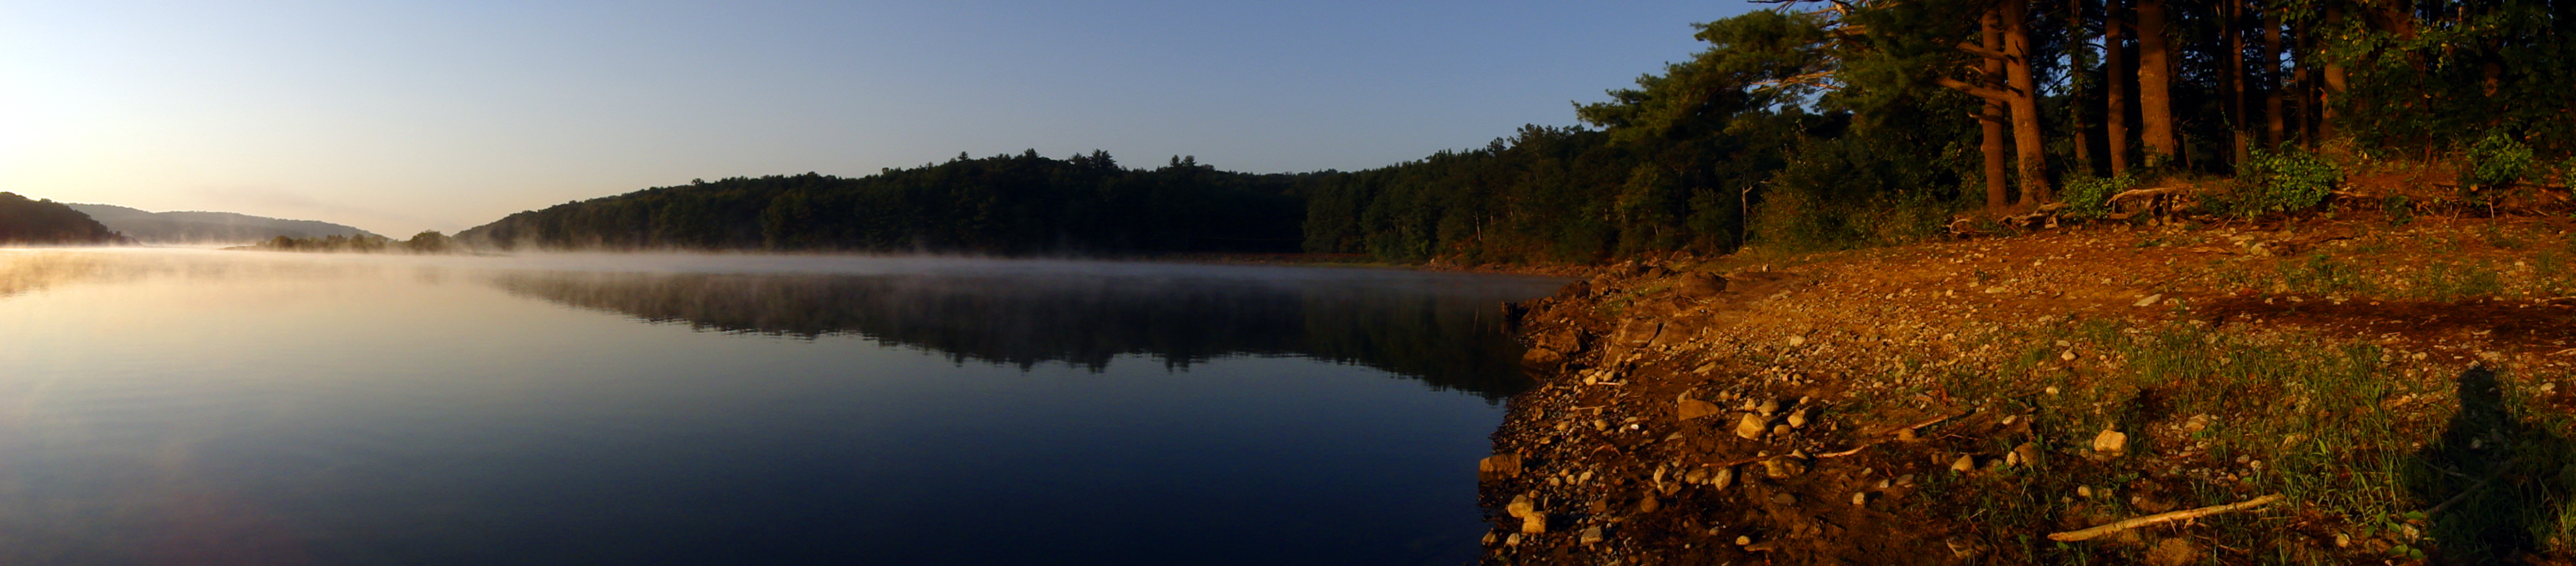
column 1006, row 204
column 2497, row 160
column 2088, row 197
column 2285, row 181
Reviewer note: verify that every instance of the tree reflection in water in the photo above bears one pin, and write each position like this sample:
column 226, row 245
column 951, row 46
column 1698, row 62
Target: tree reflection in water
column 1446, row 330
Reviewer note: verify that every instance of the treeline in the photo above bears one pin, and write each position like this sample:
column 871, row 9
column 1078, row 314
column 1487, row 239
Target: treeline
column 426, row 242
column 1826, row 124
column 1007, row 204
column 24, row 221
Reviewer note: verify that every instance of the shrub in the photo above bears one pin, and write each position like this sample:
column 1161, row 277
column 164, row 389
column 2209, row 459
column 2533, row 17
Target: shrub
column 2285, row 181
column 2497, row 160
column 2086, row 196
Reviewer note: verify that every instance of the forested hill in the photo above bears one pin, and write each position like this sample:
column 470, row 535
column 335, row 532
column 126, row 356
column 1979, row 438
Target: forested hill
column 24, row 221
column 1008, row 204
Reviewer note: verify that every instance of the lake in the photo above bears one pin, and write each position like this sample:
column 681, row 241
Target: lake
column 172, row 406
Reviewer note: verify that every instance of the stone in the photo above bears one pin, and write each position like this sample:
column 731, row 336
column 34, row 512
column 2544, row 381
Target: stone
column 1542, row 357
column 1796, row 340
column 1649, row 504
column 1780, row 430
column 1798, row 419
column 1751, row 427
column 1965, row 463
column 1591, row 535
column 1860, row 498
column 1768, row 407
column 1514, row 540
column 1783, row 499
column 1534, row 523
column 2174, row 552
column 1906, row 435
column 1741, row 540
column 1696, row 476
column 1521, row 506
column 1722, row 478
column 1500, row 466
column 2027, row 454
column 2111, row 443
column 2084, row 491
column 1689, row 408
column 1783, row 467
column 1489, row 538
column 1699, row 285
column 2149, row 301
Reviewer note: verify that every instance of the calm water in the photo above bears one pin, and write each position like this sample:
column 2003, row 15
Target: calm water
column 194, row 407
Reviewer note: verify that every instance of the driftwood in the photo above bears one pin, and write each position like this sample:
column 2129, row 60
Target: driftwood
column 2085, row 534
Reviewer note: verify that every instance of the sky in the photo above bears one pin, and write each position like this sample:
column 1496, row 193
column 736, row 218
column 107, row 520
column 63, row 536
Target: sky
column 400, row 116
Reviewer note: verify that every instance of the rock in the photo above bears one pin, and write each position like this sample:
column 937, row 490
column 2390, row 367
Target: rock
column 1783, row 499
column 1751, row 427
column 1689, row 408
column 2084, row 491
column 1906, row 435
column 1534, row 523
column 1783, row 467
column 1699, row 285
column 2149, row 301
column 1500, row 466
column 1514, row 540
column 2173, row 552
column 1964, row 464
column 1768, row 407
column 1542, row 357
column 2111, row 443
column 1591, row 535
column 1860, row 498
column 1780, row 430
column 1798, row 419
column 1722, row 478
column 1741, row 540
column 1696, row 476
column 1489, row 538
column 2027, row 454
column 1649, row 505
column 1521, row 506
column 1796, row 340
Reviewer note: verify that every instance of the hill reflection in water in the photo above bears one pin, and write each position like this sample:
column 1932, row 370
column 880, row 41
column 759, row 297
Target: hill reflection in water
column 1443, row 329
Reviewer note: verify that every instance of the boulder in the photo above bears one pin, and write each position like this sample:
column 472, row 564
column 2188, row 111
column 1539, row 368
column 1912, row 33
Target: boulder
column 1752, row 426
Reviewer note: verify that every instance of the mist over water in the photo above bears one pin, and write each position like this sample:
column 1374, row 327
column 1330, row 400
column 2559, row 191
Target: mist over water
column 186, row 406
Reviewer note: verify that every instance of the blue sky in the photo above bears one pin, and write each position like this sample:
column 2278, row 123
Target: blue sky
column 403, row 116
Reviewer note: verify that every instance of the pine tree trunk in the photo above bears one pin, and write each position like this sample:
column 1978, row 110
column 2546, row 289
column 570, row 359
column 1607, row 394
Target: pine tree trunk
column 1998, row 190
column 2240, row 129
column 2115, row 77
column 2273, row 121
column 2075, row 87
column 2155, row 83
column 2335, row 83
column 2028, row 143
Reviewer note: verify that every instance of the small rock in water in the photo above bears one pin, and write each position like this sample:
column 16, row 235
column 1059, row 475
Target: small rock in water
column 2110, row 443
column 1592, row 535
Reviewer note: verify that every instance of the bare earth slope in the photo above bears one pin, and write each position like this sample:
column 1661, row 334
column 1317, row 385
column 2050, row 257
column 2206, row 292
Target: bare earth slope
column 2398, row 387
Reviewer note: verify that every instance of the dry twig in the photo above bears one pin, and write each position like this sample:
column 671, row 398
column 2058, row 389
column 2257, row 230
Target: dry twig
column 2076, row 535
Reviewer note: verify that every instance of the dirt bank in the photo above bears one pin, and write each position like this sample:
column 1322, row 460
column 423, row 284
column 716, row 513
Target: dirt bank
column 2400, row 387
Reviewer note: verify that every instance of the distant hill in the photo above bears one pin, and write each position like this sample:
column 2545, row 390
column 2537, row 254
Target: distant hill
column 25, row 221
column 207, row 227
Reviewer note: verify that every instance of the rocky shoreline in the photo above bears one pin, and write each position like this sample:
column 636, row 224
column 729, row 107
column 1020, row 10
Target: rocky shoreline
column 1959, row 402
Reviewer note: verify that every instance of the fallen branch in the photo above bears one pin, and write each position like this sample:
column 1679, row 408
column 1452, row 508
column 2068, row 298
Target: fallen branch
column 2086, row 534
column 2146, row 193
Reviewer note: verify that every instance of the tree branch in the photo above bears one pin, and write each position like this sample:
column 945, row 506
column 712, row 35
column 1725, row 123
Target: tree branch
column 1994, row 94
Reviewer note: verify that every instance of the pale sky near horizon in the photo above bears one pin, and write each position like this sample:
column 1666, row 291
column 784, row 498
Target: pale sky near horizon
column 397, row 117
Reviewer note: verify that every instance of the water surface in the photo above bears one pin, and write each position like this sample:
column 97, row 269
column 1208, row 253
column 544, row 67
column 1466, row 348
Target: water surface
column 189, row 406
